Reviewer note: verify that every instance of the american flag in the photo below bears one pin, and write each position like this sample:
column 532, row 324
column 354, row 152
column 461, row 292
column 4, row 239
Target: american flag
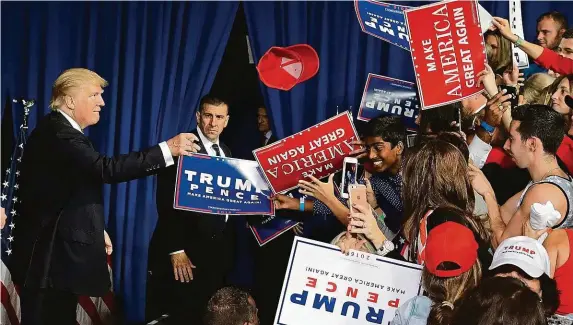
column 90, row 310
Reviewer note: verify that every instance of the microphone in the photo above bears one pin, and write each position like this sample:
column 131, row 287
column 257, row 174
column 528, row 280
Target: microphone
column 569, row 101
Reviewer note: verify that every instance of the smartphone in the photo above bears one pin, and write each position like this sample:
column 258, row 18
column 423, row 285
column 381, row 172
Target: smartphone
column 514, row 100
column 349, row 173
column 357, row 195
column 411, row 140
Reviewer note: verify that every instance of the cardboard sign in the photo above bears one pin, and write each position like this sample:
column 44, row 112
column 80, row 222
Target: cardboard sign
column 516, row 22
column 318, row 151
column 384, row 21
column 324, row 286
column 219, row 185
column 447, row 51
column 272, row 227
column 387, row 96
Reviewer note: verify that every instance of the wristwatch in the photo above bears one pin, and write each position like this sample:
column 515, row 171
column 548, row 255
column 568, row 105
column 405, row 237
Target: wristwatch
column 387, row 247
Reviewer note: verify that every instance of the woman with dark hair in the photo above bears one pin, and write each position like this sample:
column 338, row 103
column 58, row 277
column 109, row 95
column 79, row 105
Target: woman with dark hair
column 500, row 301
column 452, row 268
column 440, row 169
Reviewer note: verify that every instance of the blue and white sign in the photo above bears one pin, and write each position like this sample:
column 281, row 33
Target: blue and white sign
column 388, row 96
column 385, row 21
column 324, row 286
column 273, row 226
column 219, row 185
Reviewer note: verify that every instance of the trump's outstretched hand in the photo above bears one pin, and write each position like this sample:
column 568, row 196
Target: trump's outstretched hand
column 183, row 144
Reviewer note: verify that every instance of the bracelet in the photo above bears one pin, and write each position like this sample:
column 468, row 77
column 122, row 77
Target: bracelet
column 301, row 205
column 376, row 207
column 487, row 127
column 518, row 42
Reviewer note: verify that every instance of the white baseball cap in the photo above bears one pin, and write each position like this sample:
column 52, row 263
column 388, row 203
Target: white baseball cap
column 524, row 252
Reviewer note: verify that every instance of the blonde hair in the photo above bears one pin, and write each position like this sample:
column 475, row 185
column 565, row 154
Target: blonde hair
column 73, row 78
column 545, row 96
column 503, row 59
column 534, row 85
column 367, row 247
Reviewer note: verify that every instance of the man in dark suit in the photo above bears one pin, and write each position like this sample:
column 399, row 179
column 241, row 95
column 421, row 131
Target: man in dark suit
column 60, row 251
column 190, row 253
column 267, row 136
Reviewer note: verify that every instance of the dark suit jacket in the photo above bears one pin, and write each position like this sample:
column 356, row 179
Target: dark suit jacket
column 60, row 222
column 193, row 232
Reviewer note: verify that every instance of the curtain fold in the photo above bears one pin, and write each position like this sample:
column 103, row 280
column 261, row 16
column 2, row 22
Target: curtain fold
column 159, row 58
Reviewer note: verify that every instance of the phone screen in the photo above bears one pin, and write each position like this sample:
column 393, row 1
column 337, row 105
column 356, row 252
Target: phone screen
column 349, row 174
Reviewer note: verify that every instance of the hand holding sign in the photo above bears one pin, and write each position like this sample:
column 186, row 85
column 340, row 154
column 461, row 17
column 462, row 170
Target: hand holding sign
column 504, row 28
column 183, row 144
column 285, row 202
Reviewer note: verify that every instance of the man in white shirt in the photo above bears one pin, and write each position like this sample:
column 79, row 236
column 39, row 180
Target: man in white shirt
column 190, row 253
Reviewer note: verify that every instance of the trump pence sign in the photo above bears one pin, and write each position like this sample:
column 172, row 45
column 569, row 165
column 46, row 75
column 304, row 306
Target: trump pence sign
column 318, row 151
column 324, row 286
column 447, row 50
column 218, row 185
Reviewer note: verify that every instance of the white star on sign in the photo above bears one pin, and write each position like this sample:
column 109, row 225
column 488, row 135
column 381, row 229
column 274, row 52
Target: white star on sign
column 11, row 238
column 9, row 252
column 12, row 225
column 8, row 171
column 15, row 199
column 21, row 146
column 402, row 240
column 16, row 186
column 3, row 197
column 13, row 212
column 17, row 173
column 5, row 184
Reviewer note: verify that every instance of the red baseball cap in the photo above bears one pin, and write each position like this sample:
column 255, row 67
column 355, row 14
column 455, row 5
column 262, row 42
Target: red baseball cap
column 285, row 67
column 450, row 242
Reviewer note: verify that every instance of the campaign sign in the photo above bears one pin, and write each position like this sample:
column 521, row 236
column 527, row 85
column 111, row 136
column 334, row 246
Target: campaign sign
column 384, row 21
column 387, row 96
column 318, row 151
column 324, row 286
column 220, row 185
column 273, row 226
column 447, row 50
column 516, row 19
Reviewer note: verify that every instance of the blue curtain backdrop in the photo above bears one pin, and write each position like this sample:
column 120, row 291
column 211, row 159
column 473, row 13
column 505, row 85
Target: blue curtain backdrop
column 159, row 59
column 346, row 54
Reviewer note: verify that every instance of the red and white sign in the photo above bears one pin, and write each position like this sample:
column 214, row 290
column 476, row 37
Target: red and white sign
column 447, row 50
column 318, row 151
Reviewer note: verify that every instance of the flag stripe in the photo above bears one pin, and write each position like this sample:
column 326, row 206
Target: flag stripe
column 10, row 312
column 87, row 304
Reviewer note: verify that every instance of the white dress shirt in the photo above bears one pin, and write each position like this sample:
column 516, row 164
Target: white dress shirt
column 268, row 136
column 208, row 145
column 163, row 145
